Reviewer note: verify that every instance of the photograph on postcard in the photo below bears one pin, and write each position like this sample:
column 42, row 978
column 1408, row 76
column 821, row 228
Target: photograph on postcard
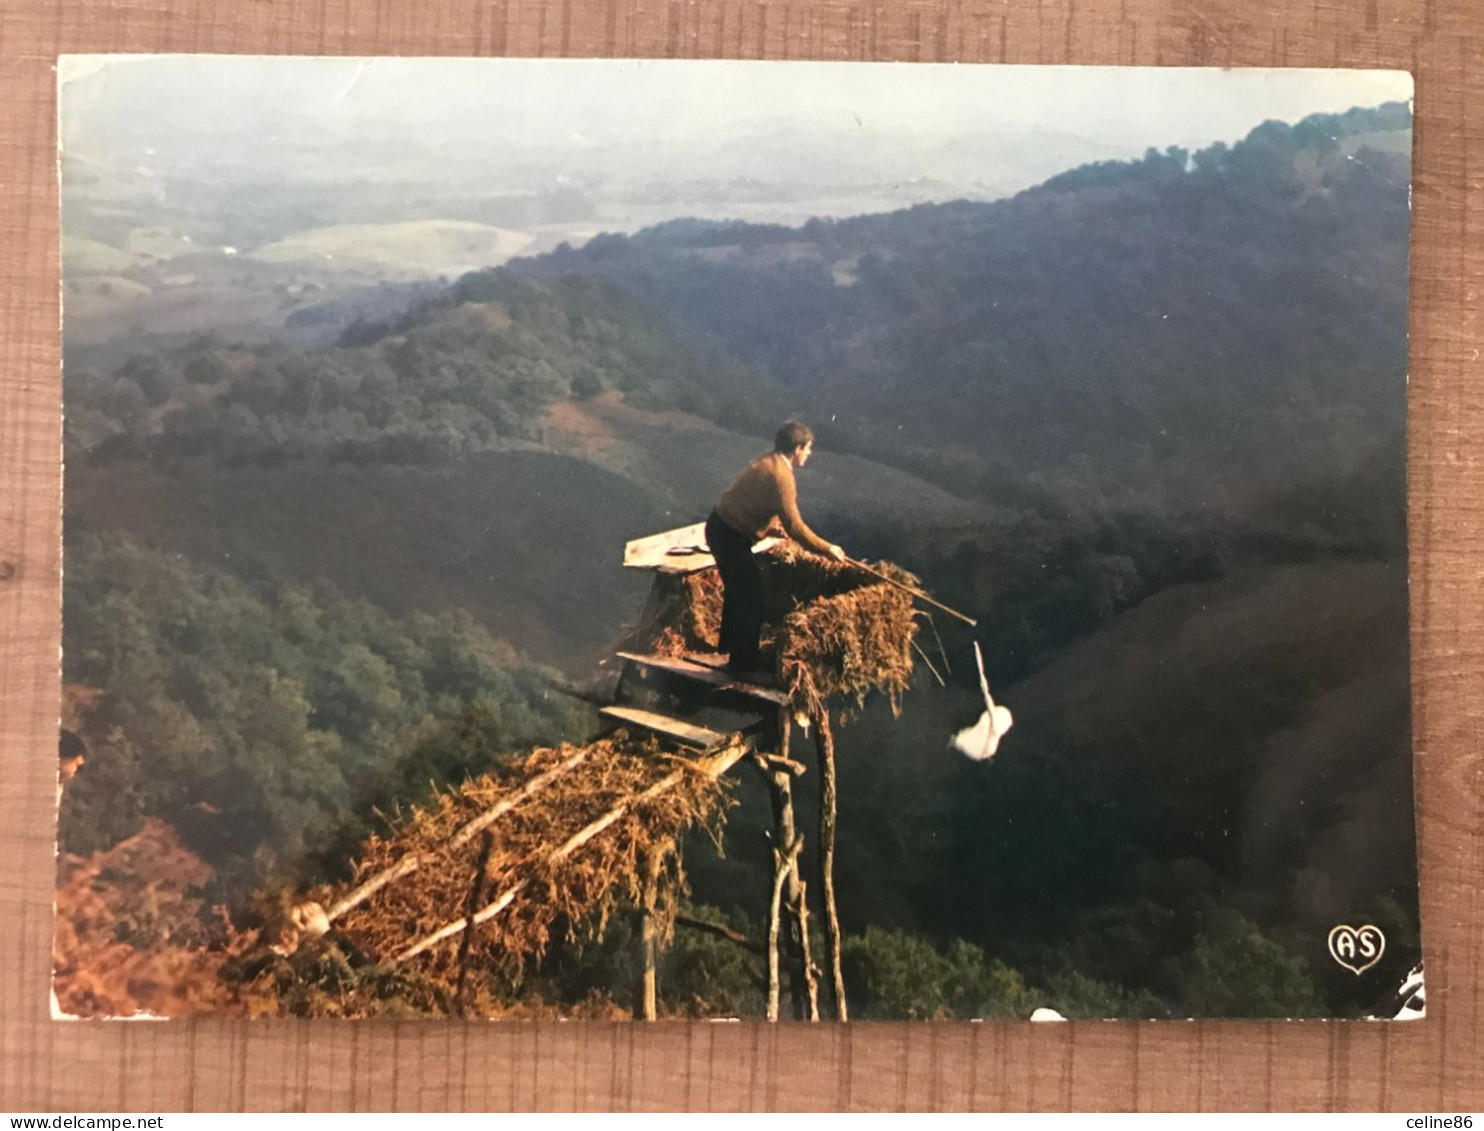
column 791, row 541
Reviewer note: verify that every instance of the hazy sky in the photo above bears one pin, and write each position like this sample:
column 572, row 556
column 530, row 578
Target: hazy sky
column 685, row 100
column 515, row 124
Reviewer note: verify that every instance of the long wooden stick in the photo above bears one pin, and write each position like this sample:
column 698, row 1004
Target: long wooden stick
column 712, row 767
column 721, row 932
column 415, row 860
column 918, row 593
column 785, row 865
column 918, row 649
column 780, row 869
column 649, row 937
column 801, row 914
column 784, row 832
column 824, row 743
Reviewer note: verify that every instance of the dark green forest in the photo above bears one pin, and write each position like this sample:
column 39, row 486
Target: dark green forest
column 473, row 370
column 270, row 724
column 1145, row 421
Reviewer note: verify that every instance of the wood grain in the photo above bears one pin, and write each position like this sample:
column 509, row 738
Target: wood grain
column 1432, row 1066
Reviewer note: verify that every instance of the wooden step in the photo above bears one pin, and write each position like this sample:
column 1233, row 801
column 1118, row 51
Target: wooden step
column 676, row 730
column 715, row 677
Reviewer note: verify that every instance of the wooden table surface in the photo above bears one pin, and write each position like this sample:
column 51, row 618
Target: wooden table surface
column 1434, row 1066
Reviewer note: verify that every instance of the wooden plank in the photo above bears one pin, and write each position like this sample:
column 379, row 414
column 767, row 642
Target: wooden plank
column 687, row 734
column 659, row 551
column 679, row 551
column 712, row 677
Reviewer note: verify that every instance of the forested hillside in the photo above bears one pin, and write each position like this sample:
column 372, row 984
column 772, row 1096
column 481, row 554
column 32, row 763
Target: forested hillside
column 1218, row 322
column 474, row 369
column 267, row 726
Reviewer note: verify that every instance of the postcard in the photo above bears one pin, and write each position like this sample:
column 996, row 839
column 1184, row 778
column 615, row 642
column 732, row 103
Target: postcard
column 707, row 540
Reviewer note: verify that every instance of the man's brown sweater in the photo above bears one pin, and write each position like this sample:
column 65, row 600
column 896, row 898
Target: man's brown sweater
column 765, row 490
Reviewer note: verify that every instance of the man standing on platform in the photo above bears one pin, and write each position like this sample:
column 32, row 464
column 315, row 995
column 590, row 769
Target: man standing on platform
column 762, row 497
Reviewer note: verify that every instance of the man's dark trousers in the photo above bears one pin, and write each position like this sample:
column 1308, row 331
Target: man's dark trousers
column 742, row 594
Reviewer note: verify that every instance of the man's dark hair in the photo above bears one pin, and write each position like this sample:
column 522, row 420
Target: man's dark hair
column 791, row 437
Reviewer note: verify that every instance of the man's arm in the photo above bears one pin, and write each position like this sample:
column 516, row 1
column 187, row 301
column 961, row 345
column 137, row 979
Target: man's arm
column 793, row 521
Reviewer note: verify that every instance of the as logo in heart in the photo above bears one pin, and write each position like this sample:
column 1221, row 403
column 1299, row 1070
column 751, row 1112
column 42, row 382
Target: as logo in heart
column 1357, row 949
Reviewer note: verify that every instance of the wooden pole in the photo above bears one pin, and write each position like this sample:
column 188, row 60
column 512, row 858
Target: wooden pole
column 649, row 938
column 801, row 915
column 476, row 893
column 778, row 873
column 785, row 833
column 927, row 598
column 785, row 863
column 824, row 744
column 779, row 769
